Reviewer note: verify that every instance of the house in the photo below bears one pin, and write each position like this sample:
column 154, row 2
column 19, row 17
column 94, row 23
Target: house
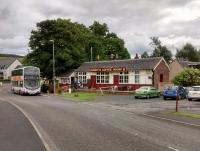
column 6, row 66
column 179, row 65
column 125, row 74
column 66, row 78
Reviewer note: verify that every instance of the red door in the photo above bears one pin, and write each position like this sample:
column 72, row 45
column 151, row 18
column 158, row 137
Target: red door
column 93, row 81
column 116, row 80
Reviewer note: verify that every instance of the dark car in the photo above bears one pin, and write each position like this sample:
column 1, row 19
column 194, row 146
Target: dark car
column 174, row 91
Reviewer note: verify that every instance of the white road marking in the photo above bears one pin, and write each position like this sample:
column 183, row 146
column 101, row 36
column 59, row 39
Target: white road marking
column 175, row 121
column 46, row 145
column 173, row 148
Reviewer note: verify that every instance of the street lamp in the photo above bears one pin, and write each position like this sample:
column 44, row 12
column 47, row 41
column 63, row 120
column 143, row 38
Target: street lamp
column 54, row 88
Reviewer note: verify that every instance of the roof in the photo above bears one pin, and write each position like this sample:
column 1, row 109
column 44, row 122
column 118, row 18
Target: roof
column 67, row 74
column 5, row 63
column 186, row 64
column 129, row 64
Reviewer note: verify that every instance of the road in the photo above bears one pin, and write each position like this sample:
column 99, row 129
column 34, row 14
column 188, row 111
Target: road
column 66, row 125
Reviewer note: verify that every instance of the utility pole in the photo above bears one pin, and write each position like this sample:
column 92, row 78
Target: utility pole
column 54, row 86
column 91, row 54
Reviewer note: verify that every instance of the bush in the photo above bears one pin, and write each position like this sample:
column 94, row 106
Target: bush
column 188, row 77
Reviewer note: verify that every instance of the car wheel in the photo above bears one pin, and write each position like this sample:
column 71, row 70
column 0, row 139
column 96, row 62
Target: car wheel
column 164, row 98
column 189, row 99
column 136, row 97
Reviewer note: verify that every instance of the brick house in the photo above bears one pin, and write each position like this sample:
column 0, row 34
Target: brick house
column 179, row 65
column 125, row 74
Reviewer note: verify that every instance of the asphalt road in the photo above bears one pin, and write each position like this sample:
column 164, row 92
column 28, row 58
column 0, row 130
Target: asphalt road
column 16, row 133
column 75, row 126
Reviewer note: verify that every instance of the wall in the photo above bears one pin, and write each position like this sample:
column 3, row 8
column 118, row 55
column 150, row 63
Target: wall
column 7, row 72
column 175, row 68
column 145, row 79
column 162, row 68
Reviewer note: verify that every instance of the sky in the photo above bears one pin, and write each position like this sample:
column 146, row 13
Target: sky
column 175, row 22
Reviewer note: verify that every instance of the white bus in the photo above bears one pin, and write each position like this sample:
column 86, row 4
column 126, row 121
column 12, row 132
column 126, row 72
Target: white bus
column 26, row 80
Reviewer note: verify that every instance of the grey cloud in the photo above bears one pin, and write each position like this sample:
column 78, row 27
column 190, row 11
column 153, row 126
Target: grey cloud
column 135, row 21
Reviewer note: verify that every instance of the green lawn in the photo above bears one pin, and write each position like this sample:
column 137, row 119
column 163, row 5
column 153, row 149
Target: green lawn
column 186, row 114
column 80, row 96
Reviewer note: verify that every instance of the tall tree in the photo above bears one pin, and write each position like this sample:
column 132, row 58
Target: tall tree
column 99, row 29
column 188, row 52
column 73, row 43
column 106, row 44
column 159, row 50
column 70, row 41
column 136, row 56
column 145, row 55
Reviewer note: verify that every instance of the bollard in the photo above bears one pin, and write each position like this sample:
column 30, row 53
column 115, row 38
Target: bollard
column 70, row 90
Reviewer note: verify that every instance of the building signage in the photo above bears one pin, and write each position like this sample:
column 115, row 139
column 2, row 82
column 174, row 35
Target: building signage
column 17, row 78
column 118, row 69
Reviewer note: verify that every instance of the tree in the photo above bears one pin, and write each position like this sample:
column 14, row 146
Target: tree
column 159, row 50
column 70, row 41
column 99, row 29
column 73, row 43
column 106, row 44
column 136, row 56
column 145, row 55
column 188, row 77
column 188, row 52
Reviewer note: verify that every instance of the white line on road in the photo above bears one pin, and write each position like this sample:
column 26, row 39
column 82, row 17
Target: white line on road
column 173, row 148
column 175, row 121
column 33, row 124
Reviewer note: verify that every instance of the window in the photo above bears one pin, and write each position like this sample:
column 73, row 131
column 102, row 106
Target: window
column 123, row 77
column 102, row 77
column 82, row 77
column 137, row 77
column 65, row 80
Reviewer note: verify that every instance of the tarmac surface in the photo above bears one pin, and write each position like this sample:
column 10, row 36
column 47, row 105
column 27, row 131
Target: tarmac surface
column 16, row 133
column 100, row 125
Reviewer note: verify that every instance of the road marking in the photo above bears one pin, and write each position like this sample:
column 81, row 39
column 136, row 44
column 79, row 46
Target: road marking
column 175, row 121
column 173, row 148
column 33, row 124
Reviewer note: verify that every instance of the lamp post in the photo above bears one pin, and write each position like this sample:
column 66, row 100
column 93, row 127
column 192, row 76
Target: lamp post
column 54, row 86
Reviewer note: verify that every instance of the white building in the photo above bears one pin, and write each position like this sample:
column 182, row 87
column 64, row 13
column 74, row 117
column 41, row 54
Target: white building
column 6, row 66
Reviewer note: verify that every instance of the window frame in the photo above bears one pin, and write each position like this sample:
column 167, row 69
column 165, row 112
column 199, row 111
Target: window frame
column 102, row 78
column 82, row 77
column 137, row 76
column 124, row 77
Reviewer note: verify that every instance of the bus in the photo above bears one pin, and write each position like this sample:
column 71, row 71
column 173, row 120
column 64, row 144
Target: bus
column 25, row 80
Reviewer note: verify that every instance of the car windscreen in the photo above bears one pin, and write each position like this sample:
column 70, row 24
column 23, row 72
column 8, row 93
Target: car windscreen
column 171, row 88
column 195, row 88
column 144, row 88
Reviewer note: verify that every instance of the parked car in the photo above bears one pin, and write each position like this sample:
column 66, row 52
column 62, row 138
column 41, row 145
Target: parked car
column 174, row 91
column 147, row 92
column 194, row 93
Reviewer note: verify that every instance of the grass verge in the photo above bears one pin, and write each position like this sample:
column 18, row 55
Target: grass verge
column 80, row 96
column 186, row 114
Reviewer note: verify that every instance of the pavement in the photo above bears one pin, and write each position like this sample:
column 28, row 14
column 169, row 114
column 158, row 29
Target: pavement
column 16, row 133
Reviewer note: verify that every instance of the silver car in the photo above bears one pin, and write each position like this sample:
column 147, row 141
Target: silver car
column 194, row 93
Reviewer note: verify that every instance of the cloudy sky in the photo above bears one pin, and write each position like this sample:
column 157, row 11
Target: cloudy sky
column 174, row 21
